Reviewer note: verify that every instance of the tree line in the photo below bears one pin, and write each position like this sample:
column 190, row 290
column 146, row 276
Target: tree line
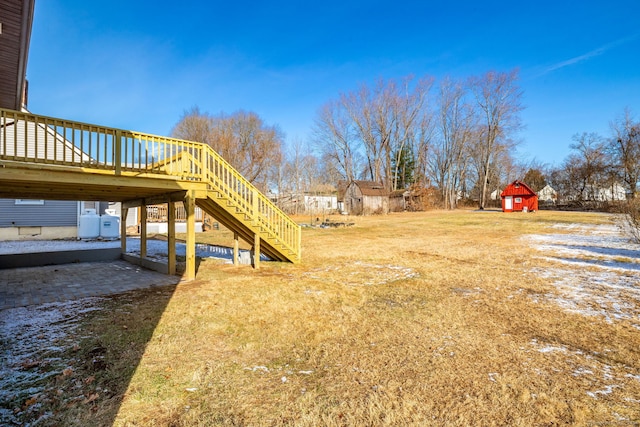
column 599, row 165
column 454, row 135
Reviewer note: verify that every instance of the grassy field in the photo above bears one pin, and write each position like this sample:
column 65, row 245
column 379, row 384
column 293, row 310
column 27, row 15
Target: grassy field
column 430, row 318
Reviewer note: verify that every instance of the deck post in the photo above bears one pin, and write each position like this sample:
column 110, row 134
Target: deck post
column 235, row 248
column 123, row 230
column 171, row 238
column 256, row 251
column 143, row 231
column 117, row 151
column 190, row 208
column 298, row 232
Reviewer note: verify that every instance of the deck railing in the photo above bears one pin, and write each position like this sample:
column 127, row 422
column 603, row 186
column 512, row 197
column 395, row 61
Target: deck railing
column 160, row 213
column 37, row 139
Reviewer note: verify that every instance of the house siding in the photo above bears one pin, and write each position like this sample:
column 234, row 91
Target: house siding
column 320, row 203
column 36, row 141
column 53, row 213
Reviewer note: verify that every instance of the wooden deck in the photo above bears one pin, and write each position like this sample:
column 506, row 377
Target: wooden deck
column 48, row 158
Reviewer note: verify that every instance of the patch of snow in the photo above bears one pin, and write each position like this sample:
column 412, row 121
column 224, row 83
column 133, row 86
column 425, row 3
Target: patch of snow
column 582, row 371
column 551, row 348
column 635, row 377
column 33, row 339
column 607, row 390
column 597, row 273
column 257, row 369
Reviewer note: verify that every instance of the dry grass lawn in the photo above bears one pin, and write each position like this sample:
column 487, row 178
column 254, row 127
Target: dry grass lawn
column 430, row 318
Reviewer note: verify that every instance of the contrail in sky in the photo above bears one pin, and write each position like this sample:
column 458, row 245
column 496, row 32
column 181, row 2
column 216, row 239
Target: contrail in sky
column 592, row 54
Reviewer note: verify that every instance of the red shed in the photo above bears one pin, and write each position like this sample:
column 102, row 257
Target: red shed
column 517, row 196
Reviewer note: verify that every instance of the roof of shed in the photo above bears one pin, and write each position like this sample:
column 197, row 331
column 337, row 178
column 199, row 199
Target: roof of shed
column 517, row 188
column 371, row 188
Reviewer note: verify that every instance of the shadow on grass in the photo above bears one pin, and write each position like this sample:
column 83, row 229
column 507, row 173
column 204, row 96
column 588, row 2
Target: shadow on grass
column 70, row 362
column 602, row 250
column 597, row 263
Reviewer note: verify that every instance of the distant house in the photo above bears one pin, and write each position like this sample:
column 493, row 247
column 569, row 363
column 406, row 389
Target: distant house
column 366, row 198
column 412, row 199
column 398, row 200
column 547, row 196
column 613, row 193
column 518, row 197
column 320, row 203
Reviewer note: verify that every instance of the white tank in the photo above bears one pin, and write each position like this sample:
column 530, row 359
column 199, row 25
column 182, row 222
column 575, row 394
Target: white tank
column 89, row 227
column 109, row 227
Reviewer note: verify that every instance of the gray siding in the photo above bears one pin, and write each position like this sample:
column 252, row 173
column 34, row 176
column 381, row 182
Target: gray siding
column 51, row 214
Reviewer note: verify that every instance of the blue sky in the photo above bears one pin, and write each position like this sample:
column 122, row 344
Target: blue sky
column 140, row 64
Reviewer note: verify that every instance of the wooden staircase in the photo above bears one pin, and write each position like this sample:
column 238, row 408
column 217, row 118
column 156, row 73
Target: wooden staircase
column 137, row 168
column 241, row 208
column 239, row 205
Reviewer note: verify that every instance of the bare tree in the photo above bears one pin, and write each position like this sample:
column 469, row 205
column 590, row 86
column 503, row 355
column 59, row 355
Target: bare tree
column 334, row 136
column 377, row 122
column 624, row 147
column 423, row 145
column 498, row 98
column 449, row 155
column 412, row 119
column 588, row 166
column 243, row 139
column 367, row 111
column 535, row 179
column 194, row 126
column 329, row 172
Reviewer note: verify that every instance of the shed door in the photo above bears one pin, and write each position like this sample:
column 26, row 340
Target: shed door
column 508, row 203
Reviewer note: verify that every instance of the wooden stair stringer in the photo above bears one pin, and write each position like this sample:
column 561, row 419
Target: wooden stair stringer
column 236, row 222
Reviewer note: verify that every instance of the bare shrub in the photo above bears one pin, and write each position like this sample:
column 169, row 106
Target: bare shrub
column 378, row 211
column 631, row 219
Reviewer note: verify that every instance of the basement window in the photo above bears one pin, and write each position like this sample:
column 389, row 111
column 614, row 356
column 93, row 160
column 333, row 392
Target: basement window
column 29, row 202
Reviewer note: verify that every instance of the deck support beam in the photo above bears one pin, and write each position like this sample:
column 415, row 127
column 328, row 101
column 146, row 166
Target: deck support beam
column 190, row 208
column 171, row 238
column 123, row 230
column 236, row 246
column 256, row 251
column 143, row 231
